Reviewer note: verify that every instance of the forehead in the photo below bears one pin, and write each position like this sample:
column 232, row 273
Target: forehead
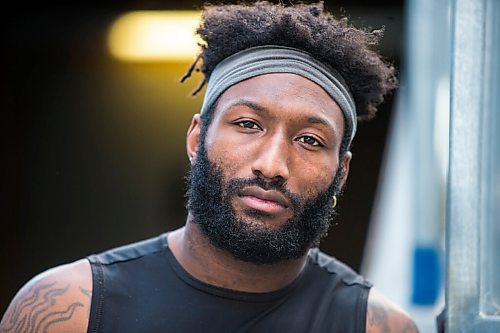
column 289, row 94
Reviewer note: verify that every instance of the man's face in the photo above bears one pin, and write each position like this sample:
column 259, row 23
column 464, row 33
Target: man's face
column 264, row 174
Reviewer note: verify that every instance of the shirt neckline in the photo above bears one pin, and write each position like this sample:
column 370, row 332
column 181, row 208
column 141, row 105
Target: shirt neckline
column 189, row 279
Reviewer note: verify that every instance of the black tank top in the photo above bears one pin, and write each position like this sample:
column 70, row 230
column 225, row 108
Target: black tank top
column 142, row 288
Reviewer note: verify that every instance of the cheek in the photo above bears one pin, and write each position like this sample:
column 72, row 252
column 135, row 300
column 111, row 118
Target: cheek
column 231, row 160
column 313, row 179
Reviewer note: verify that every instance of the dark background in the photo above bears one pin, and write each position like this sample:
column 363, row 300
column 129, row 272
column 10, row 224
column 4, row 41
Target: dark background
column 93, row 149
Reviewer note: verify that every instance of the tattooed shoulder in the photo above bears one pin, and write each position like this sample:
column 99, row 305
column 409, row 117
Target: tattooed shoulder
column 383, row 316
column 54, row 301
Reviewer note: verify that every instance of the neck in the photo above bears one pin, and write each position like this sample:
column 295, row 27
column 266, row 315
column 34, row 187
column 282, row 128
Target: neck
column 200, row 258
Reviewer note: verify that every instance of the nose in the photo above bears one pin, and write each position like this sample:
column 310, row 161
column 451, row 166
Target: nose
column 272, row 159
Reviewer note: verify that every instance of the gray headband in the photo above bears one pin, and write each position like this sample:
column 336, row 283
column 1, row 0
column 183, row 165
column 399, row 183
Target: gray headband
column 268, row 59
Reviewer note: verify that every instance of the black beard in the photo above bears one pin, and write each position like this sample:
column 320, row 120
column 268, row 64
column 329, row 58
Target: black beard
column 209, row 202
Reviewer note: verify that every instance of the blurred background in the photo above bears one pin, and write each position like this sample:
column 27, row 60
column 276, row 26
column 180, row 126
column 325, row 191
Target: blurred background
column 93, row 146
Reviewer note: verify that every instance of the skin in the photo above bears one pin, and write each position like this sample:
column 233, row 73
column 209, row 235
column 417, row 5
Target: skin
column 57, row 300
column 270, row 126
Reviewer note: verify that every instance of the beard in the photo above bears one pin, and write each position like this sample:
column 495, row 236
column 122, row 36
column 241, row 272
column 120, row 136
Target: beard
column 210, row 204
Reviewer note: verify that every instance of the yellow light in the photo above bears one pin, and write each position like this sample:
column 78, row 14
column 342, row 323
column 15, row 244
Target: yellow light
column 155, row 36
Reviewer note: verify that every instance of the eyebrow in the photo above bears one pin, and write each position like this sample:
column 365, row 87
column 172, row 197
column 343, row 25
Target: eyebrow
column 261, row 109
column 249, row 104
column 317, row 120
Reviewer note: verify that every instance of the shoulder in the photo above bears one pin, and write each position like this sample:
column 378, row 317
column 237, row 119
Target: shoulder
column 53, row 301
column 336, row 268
column 383, row 316
column 131, row 251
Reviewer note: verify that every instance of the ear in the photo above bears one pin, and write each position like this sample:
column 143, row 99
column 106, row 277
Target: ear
column 346, row 163
column 193, row 138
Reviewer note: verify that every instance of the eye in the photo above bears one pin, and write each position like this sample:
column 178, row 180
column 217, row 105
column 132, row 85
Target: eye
column 247, row 124
column 310, row 141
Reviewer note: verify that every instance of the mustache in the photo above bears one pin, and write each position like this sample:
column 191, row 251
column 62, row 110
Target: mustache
column 235, row 185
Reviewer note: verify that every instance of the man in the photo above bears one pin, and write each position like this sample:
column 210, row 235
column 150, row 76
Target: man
column 269, row 155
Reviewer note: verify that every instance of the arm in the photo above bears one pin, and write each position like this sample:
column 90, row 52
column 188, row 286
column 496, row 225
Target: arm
column 383, row 316
column 57, row 300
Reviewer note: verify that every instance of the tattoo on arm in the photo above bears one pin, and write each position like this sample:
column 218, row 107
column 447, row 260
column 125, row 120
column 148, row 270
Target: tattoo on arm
column 383, row 319
column 377, row 319
column 410, row 327
column 13, row 318
column 88, row 293
column 55, row 317
column 37, row 310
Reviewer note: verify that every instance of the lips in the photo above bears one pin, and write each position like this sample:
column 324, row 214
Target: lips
column 268, row 201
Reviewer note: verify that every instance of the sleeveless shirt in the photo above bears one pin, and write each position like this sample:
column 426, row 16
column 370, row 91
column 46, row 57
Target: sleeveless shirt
column 142, row 288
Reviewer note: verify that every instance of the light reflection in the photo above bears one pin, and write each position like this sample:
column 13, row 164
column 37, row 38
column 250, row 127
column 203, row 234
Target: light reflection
column 155, row 36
